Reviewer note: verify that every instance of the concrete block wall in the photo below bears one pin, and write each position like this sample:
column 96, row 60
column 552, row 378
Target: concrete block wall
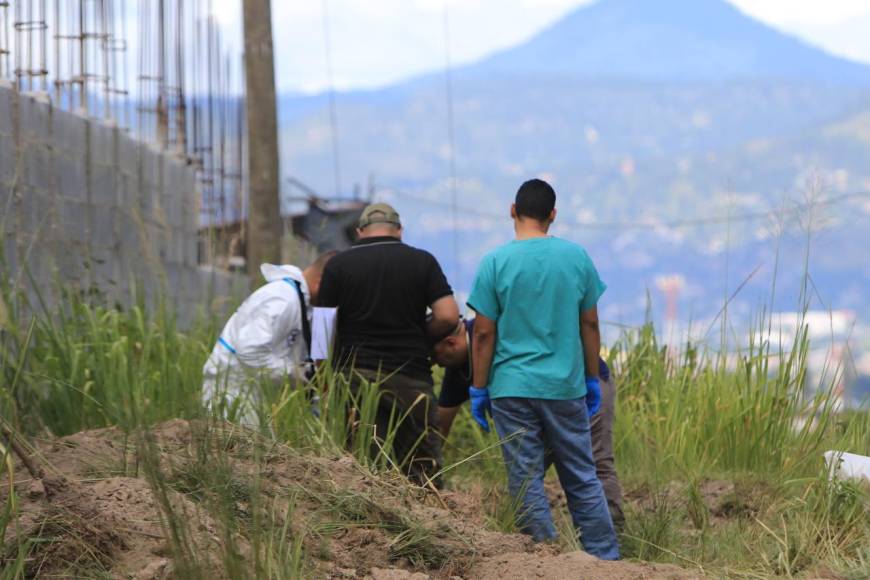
column 85, row 205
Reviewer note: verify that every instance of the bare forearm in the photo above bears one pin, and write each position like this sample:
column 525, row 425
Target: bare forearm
column 482, row 349
column 590, row 334
column 481, row 354
column 445, row 314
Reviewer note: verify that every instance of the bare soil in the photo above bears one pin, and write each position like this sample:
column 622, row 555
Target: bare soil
column 185, row 496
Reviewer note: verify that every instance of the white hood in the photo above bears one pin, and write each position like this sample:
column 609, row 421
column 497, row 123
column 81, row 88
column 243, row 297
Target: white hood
column 271, row 273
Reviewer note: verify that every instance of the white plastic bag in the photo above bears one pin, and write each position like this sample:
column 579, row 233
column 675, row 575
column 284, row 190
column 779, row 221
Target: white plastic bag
column 843, row 465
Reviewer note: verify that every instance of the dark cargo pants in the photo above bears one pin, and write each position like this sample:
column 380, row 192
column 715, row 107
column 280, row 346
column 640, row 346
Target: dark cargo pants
column 602, row 452
column 416, row 442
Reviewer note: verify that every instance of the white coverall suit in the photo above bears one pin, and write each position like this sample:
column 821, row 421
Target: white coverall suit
column 262, row 339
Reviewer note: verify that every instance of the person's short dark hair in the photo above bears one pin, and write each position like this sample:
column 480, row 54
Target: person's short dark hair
column 535, row 199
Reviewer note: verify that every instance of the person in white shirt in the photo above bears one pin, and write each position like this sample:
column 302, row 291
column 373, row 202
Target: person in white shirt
column 267, row 338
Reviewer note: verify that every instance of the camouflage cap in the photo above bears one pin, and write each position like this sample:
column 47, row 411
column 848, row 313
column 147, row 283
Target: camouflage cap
column 379, row 213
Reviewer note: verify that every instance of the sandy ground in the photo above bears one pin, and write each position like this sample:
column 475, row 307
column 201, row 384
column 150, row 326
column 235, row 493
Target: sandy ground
column 97, row 511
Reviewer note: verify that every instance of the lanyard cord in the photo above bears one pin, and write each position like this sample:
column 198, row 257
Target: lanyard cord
column 470, row 374
column 306, row 325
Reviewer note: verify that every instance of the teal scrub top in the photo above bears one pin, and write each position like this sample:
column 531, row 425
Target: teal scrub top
column 535, row 290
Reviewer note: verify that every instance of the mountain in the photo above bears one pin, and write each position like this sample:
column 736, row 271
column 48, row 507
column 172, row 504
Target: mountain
column 641, row 113
column 669, row 40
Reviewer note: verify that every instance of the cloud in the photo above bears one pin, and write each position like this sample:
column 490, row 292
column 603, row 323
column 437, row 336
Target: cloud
column 379, row 42
column 803, row 11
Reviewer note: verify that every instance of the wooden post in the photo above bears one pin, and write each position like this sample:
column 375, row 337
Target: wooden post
column 264, row 211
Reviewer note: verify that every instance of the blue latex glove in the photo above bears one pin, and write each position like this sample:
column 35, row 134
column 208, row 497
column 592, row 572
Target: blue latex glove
column 593, row 395
column 480, row 406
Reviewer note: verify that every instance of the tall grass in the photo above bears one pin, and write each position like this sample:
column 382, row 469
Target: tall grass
column 695, row 412
column 81, row 364
column 688, row 416
column 683, row 417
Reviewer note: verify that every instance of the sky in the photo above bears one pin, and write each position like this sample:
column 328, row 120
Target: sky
column 377, row 42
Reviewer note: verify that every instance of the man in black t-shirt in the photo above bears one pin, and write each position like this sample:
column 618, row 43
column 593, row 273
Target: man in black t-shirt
column 383, row 288
column 454, row 354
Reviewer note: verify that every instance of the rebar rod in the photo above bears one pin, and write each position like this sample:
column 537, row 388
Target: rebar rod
column 187, row 92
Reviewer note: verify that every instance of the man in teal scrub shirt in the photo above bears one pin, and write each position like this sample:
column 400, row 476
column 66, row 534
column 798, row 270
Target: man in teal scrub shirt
column 536, row 303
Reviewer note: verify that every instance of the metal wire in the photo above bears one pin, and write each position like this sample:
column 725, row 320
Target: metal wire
column 451, row 144
column 793, row 211
column 333, row 106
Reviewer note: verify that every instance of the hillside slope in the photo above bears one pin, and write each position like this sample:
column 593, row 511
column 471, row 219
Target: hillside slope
column 189, row 501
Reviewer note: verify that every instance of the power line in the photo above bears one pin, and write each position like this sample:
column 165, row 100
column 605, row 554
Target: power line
column 333, row 107
column 451, row 143
column 793, row 211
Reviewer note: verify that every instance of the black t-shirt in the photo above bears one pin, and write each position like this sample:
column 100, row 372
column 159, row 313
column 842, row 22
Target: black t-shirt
column 382, row 288
column 454, row 386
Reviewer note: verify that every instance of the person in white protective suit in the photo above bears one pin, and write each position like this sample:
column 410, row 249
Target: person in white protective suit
column 268, row 337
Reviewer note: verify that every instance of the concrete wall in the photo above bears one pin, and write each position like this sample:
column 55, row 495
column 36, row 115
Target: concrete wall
column 85, row 205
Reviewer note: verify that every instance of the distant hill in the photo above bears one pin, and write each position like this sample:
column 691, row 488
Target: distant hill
column 637, row 111
column 669, row 40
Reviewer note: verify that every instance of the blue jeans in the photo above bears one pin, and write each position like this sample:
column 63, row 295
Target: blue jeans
column 557, row 430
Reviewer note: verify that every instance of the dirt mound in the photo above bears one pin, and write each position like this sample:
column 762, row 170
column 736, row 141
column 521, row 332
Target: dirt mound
column 573, row 565
column 188, row 499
